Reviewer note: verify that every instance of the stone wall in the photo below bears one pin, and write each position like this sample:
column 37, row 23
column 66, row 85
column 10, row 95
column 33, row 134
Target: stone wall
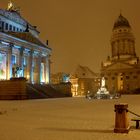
column 13, row 89
column 64, row 88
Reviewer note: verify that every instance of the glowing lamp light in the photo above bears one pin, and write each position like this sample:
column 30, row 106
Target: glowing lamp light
column 28, row 76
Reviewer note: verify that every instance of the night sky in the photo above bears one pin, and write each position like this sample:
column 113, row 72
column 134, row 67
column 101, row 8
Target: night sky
column 78, row 31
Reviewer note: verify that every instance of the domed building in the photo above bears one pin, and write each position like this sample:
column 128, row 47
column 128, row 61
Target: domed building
column 122, row 69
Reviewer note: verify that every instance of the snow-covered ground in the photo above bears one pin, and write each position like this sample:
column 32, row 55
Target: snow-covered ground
column 64, row 119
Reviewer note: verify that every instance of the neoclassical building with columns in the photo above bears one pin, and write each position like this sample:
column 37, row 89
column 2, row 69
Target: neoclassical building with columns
column 22, row 54
column 122, row 69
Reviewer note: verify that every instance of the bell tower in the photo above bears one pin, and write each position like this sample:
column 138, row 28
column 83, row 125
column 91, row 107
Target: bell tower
column 122, row 40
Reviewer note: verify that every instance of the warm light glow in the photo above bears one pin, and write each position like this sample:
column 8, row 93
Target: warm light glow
column 28, row 76
column 42, row 73
column 75, row 90
column 10, row 5
column 2, row 66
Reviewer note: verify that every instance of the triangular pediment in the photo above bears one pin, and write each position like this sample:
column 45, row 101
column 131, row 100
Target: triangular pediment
column 119, row 65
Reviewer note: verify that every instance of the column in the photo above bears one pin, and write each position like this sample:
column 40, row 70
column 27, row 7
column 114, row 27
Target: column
column 39, row 68
column 133, row 48
column 118, row 49
column 21, row 56
column 47, row 69
column 21, row 65
column 31, row 66
column 9, row 62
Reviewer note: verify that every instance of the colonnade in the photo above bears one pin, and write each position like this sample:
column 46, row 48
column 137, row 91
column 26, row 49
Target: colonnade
column 37, row 67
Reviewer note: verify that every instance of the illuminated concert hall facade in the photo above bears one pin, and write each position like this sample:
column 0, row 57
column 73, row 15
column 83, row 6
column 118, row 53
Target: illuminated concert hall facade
column 22, row 54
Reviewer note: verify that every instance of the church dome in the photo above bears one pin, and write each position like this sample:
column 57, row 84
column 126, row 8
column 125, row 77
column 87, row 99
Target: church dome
column 121, row 22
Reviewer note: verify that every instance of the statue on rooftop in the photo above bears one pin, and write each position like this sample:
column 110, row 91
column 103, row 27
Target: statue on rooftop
column 12, row 7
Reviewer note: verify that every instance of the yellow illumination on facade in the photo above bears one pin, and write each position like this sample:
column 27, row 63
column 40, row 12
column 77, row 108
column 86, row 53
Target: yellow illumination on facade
column 28, row 76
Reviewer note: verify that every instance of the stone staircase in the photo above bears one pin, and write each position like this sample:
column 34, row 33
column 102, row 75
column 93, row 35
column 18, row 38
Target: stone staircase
column 38, row 91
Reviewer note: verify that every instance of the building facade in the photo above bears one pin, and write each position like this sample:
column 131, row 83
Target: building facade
column 60, row 77
column 22, row 54
column 122, row 69
column 84, row 81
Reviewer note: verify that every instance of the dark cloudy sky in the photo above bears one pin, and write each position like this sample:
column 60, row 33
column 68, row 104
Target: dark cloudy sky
column 78, row 31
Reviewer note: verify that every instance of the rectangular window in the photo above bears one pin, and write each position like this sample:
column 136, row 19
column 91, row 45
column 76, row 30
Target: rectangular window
column 6, row 26
column 2, row 25
column 135, row 77
column 113, row 78
column 14, row 28
column 10, row 27
column 127, row 77
column 13, row 59
column 24, row 61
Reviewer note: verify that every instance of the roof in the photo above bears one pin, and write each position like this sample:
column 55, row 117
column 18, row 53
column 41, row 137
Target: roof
column 118, row 65
column 16, row 17
column 121, row 22
column 85, row 72
column 27, row 36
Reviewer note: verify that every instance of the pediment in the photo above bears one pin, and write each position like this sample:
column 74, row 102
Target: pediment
column 119, row 65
